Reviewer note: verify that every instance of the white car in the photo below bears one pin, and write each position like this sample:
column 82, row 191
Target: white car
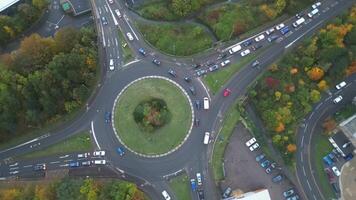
column 254, row 146
column 224, row 63
column 14, row 172
column 83, row 155
column 111, row 1
column 340, row 85
column 246, row 52
column 259, row 38
column 337, row 99
column 99, row 153
column 336, row 171
column 111, row 65
column 118, row 13
column 99, row 162
column 129, row 36
column 166, row 195
column 250, row 142
column 317, row 4
column 199, row 179
column 269, row 31
column 280, row 26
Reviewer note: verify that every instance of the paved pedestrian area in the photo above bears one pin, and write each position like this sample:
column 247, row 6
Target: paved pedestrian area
column 348, row 180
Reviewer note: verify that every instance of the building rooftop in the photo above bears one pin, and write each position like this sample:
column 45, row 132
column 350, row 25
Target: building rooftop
column 342, row 143
column 255, row 195
column 7, row 3
column 349, row 128
column 80, row 6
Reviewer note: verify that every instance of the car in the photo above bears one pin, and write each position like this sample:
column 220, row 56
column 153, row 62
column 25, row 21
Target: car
column 197, row 104
column 209, row 63
column 206, row 138
column 213, row 68
column 273, row 165
column 221, row 56
column 111, row 1
column 156, row 61
column 199, row 179
column 268, row 170
column 120, row 151
column 196, row 122
column 201, row 72
column 227, row 192
column 331, row 156
column 313, row 12
column 111, row 64
column 99, row 153
column 192, row 90
column 118, row 13
column 340, row 85
column 250, row 142
column 224, row 63
column 129, row 36
column 269, row 31
column 172, row 73
column 226, row 92
column 337, row 99
column 246, row 52
column 99, row 162
column 193, row 184
column 201, row 194
column 277, row 178
column 166, row 195
column 255, row 63
column 187, row 79
column 235, row 49
column 265, row 163
column 272, row 38
column 257, row 46
column 86, row 163
column 280, row 26
column 330, row 175
column 336, row 171
column 104, row 20
column 196, row 66
column 260, row 157
column 83, row 155
column 315, row 5
column 335, row 187
column 74, row 164
column 295, row 197
column 107, row 117
column 336, row 153
column 289, row 192
column 327, row 160
column 40, row 167
column 284, row 30
column 260, row 38
column 254, row 146
column 247, row 43
column 142, row 51
column 14, row 172
column 298, row 15
column 206, row 103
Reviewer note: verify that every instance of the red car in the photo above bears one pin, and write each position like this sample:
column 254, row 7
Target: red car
column 329, row 174
column 227, row 92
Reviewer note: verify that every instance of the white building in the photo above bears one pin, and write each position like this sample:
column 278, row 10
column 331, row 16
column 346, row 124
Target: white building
column 4, row 4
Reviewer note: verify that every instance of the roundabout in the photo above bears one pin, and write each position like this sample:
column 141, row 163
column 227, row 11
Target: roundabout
column 152, row 116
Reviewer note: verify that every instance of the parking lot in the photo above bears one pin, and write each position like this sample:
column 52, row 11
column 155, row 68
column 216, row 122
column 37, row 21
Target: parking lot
column 244, row 173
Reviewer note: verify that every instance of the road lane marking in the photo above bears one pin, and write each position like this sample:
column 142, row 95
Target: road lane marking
column 106, row 8
column 68, row 160
column 303, row 140
column 129, row 63
column 314, row 196
column 206, row 89
column 54, row 162
column 127, row 21
column 92, row 130
column 112, row 14
column 65, row 156
column 309, row 185
column 13, row 165
column 318, row 106
column 301, row 158
column 14, row 168
column 27, row 166
column 116, row 42
column 304, row 171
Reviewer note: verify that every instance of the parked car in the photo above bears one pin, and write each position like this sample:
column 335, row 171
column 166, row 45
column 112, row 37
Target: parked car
column 156, row 61
column 166, row 195
column 327, row 160
column 295, row 197
column 336, row 171
column 277, row 178
column 272, row 38
column 99, row 162
column 224, row 63
column 111, row 65
column 104, row 20
column 288, row 193
column 187, row 79
column 330, row 175
column 255, row 63
column 269, row 31
column 335, row 187
column 257, row 46
column 201, row 72
column 265, row 163
column 227, row 192
column 246, row 52
column 254, row 146
column 74, row 164
column 226, row 92
column 247, row 43
column 337, row 99
column 83, row 155
column 260, row 38
column 221, row 56
column 107, row 117
column 250, row 142
column 172, row 73
column 129, row 36
column 86, row 163
column 260, row 157
column 193, row 184
column 196, row 66
column 99, row 153
column 213, row 68
column 340, row 85
column 284, row 30
column 201, row 194
column 199, row 179
column 315, row 5
column 280, row 26
column 120, row 151
column 142, row 51
column 268, row 170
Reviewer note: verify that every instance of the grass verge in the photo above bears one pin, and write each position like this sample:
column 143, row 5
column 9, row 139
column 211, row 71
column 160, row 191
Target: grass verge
column 76, row 143
column 229, row 123
column 127, row 51
column 322, row 148
column 164, row 138
column 180, row 187
column 176, row 39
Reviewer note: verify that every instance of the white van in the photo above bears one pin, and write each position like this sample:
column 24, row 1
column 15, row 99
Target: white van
column 206, row 103
column 100, row 162
column 166, row 195
column 235, row 49
column 111, row 65
column 298, row 22
column 206, row 138
column 118, row 13
column 313, row 12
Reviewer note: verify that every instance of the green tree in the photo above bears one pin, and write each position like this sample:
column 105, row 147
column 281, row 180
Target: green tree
column 181, row 7
column 40, row 4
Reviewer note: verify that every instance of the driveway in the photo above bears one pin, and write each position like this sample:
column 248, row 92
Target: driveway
column 243, row 172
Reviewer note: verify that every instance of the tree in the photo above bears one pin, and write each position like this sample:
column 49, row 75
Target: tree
column 329, row 124
column 66, row 39
column 351, row 69
column 280, row 128
column 350, row 38
column 181, row 7
column 323, row 85
column 10, row 194
column 315, row 96
column 277, row 95
column 315, row 73
column 280, row 5
column 40, row 4
column 90, row 189
column 291, row 148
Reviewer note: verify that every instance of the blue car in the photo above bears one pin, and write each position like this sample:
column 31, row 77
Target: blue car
column 327, row 160
column 247, row 43
column 120, row 151
column 142, row 51
column 193, row 184
column 284, row 30
column 74, row 164
column 107, row 117
column 265, row 163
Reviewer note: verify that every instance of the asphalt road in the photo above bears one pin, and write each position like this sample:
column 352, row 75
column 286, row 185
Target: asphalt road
column 193, row 156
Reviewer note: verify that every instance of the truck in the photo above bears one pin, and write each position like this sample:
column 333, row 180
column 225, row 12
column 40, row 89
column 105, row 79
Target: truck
column 298, row 22
column 206, row 103
column 235, row 49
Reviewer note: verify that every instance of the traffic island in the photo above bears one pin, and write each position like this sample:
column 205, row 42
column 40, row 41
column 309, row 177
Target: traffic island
column 152, row 116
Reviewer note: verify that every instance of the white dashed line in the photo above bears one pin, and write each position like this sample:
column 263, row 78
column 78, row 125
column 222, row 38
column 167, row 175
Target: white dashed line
column 92, row 130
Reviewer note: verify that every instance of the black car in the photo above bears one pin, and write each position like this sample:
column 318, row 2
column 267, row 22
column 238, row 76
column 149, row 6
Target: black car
column 192, row 90
column 277, row 178
column 201, row 194
column 247, row 43
column 227, row 192
column 221, row 56
column 172, row 73
column 197, row 104
column 196, row 66
column 187, row 79
column 104, row 20
column 40, row 167
column 196, row 122
column 335, row 187
column 272, row 38
column 107, row 117
column 257, row 46
column 156, row 61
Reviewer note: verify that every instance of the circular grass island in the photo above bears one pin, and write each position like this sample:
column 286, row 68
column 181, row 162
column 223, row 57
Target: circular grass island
column 152, row 116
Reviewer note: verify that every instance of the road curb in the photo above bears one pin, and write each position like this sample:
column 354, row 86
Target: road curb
column 117, row 100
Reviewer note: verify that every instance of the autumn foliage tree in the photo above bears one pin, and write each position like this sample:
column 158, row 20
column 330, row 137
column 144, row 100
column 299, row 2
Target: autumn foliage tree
column 315, row 73
column 291, row 148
